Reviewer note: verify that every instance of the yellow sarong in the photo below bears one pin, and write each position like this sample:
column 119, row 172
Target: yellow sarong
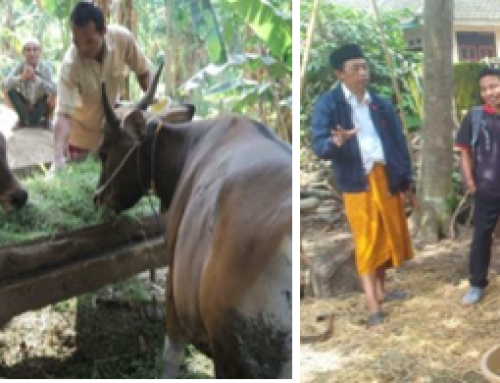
column 378, row 224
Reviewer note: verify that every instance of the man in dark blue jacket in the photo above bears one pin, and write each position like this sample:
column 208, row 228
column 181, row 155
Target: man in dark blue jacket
column 360, row 133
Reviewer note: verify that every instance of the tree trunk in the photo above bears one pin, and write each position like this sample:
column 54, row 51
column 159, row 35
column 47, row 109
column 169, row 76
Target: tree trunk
column 436, row 156
column 104, row 5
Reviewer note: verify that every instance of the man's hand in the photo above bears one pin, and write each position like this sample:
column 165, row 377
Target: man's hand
column 471, row 186
column 339, row 135
column 467, row 174
column 61, row 139
column 59, row 164
column 411, row 199
column 28, row 73
column 56, row 166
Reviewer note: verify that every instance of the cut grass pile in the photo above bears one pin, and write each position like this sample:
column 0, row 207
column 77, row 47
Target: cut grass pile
column 61, row 203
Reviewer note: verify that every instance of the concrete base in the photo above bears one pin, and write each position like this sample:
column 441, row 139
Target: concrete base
column 26, row 146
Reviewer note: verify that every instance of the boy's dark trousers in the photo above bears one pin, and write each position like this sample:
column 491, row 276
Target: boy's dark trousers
column 486, row 212
column 28, row 116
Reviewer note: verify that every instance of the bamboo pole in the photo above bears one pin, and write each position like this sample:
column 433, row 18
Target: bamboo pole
column 390, row 64
column 305, row 57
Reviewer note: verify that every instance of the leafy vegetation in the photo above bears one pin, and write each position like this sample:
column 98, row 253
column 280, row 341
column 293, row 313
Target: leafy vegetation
column 466, row 91
column 192, row 37
column 60, row 204
column 359, row 27
column 466, row 87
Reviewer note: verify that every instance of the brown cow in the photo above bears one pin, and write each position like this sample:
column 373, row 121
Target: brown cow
column 227, row 184
column 12, row 195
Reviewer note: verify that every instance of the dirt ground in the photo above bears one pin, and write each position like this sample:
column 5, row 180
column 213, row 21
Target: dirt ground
column 112, row 333
column 429, row 337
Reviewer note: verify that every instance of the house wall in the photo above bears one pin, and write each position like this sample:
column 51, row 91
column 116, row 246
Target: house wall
column 472, row 27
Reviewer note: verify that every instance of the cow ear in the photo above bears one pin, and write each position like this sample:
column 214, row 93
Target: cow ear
column 135, row 125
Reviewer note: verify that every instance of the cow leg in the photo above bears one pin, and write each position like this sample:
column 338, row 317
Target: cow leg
column 173, row 355
column 175, row 342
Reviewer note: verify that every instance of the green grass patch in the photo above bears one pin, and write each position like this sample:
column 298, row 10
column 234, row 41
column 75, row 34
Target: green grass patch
column 61, row 203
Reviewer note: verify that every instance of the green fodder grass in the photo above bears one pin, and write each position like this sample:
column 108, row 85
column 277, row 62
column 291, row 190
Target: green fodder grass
column 61, row 203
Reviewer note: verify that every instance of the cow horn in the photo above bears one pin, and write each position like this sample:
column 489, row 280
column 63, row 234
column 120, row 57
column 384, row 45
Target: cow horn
column 148, row 97
column 111, row 118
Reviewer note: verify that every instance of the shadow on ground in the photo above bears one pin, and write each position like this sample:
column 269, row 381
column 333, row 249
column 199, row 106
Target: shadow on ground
column 88, row 339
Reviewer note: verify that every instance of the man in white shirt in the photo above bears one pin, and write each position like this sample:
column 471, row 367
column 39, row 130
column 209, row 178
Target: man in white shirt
column 360, row 133
column 30, row 88
column 98, row 54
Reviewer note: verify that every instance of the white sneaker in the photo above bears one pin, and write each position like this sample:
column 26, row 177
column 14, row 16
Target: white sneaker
column 474, row 295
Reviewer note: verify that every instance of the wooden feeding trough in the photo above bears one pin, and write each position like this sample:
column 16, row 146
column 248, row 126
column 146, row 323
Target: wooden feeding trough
column 49, row 269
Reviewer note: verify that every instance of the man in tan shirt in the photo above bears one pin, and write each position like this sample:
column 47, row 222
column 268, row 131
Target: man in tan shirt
column 29, row 88
column 98, row 54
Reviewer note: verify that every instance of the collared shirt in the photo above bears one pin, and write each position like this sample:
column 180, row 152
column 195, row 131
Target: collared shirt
column 32, row 90
column 368, row 138
column 79, row 87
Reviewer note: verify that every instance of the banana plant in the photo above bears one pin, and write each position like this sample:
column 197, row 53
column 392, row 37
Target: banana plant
column 270, row 24
column 60, row 10
column 207, row 26
column 256, row 78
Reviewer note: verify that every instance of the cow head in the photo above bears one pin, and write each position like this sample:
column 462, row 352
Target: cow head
column 12, row 195
column 124, row 168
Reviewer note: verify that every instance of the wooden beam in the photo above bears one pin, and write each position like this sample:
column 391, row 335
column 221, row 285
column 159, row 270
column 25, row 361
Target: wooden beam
column 81, row 276
column 37, row 256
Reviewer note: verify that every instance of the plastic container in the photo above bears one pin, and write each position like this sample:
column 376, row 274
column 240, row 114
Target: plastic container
column 490, row 364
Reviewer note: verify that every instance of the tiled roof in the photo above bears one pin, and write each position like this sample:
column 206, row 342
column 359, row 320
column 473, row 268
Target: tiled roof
column 481, row 10
column 414, row 5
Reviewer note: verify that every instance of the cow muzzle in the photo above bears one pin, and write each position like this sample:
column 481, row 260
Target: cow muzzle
column 15, row 199
column 18, row 198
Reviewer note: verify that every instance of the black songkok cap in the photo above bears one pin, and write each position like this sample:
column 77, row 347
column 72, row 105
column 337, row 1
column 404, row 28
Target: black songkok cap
column 344, row 53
